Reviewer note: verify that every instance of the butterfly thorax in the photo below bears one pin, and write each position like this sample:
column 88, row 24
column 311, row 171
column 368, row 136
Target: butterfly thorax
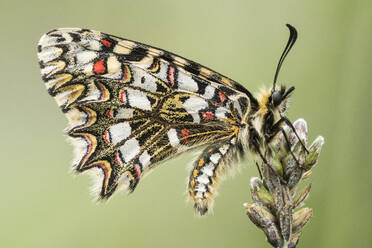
column 261, row 122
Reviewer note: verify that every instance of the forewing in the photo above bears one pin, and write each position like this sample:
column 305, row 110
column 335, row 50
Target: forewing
column 131, row 106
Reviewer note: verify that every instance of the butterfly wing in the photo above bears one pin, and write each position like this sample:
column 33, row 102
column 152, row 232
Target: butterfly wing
column 130, row 105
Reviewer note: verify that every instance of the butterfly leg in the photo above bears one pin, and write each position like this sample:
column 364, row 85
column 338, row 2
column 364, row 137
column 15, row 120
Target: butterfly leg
column 277, row 128
column 208, row 170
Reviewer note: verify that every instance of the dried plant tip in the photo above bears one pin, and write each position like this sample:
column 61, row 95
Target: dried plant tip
column 301, row 128
column 307, row 174
column 260, row 194
column 262, row 218
column 294, row 240
column 301, row 196
column 314, row 151
column 300, row 218
column 260, row 215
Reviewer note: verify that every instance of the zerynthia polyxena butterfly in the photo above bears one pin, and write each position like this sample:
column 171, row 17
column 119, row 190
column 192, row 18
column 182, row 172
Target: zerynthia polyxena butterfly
column 130, row 106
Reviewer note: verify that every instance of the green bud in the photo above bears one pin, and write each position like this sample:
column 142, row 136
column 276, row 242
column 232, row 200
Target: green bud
column 314, row 151
column 277, row 165
column 260, row 193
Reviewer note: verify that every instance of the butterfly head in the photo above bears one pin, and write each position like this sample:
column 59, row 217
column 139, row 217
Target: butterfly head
column 278, row 99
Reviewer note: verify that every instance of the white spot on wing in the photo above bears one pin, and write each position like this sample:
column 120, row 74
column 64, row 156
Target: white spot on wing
column 162, row 74
column 85, row 57
column 48, row 69
column 144, row 159
column 172, row 136
column 87, row 68
column 209, row 92
column 149, row 82
column 94, row 93
column 95, row 45
column 124, row 113
column 193, row 105
column 76, row 117
column 120, row 132
column 49, row 54
column 130, row 149
column 138, row 99
column 185, row 82
column 221, row 112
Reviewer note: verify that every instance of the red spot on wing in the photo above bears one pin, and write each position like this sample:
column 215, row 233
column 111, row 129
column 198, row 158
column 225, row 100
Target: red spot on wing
column 117, row 158
column 222, row 96
column 208, row 116
column 123, row 96
column 106, row 43
column 99, row 67
column 137, row 170
column 109, row 113
column 185, row 133
column 106, row 172
column 171, row 71
column 106, row 137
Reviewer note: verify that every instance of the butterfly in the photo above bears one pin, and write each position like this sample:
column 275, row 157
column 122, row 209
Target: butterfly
column 130, row 106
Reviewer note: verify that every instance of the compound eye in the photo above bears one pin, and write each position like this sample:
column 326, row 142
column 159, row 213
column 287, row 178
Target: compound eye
column 277, row 98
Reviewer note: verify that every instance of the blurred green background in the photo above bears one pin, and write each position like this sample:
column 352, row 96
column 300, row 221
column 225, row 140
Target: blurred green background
column 44, row 206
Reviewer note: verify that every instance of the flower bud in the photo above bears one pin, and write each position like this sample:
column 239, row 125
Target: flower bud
column 277, row 165
column 294, row 240
column 307, row 174
column 260, row 193
column 262, row 218
column 294, row 178
column 300, row 218
column 300, row 126
column 314, row 151
column 300, row 197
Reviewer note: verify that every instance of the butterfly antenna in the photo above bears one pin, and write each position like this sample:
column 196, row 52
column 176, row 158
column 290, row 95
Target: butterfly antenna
column 292, row 39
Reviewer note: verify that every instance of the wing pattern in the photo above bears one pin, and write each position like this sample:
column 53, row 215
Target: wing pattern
column 131, row 106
